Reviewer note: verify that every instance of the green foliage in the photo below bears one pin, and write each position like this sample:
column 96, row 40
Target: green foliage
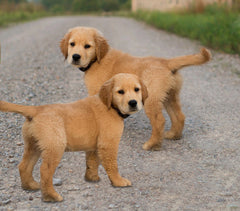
column 19, row 10
column 14, row 17
column 86, row 5
column 12, row 1
column 125, row 5
column 215, row 27
column 110, row 5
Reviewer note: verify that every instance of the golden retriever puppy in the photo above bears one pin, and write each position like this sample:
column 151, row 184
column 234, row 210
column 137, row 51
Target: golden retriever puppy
column 88, row 50
column 94, row 124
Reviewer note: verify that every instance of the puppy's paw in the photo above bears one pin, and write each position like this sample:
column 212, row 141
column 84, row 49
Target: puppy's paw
column 31, row 186
column 52, row 197
column 121, row 182
column 149, row 145
column 172, row 135
column 92, row 178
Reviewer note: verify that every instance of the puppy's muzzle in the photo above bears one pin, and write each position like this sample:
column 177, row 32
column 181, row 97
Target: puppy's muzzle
column 132, row 105
column 76, row 57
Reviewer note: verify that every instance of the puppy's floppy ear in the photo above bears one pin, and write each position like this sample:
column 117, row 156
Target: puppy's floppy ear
column 105, row 93
column 102, row 46
column 64, row 44
column 144, row 91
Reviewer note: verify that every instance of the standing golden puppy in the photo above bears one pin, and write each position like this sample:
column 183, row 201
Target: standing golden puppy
column 94, row 124
column 87, row 49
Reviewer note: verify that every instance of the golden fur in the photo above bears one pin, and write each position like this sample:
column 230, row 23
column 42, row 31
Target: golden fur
column 90, row 124
column 100, row 62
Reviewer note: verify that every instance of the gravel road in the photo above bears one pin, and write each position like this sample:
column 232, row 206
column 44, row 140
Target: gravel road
column 199, row 172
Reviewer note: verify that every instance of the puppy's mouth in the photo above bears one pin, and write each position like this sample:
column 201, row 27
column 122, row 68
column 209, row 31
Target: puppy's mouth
column 85, row 67
column 133, row 110
column 76, row 63
column 130, row 111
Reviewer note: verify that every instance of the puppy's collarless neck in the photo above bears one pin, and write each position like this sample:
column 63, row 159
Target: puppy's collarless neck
column 124, row 116
column 84, row 69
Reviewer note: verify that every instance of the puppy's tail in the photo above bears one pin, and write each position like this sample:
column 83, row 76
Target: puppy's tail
column 28, row 111
column 196, row 59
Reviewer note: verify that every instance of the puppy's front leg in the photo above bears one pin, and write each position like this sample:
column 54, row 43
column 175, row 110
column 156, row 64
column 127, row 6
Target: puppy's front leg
column 92, row 163
column 153, row 110
column 108, row 157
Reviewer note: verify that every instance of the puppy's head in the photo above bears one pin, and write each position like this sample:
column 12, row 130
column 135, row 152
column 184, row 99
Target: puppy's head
column 125, row 92
column 82, row 45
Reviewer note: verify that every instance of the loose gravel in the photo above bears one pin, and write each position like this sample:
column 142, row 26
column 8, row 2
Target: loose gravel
column 201, row 171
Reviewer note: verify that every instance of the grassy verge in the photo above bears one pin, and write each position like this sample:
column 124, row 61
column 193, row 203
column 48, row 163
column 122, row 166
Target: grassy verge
column 215, row 27
column 7, row 18
column 11, row 12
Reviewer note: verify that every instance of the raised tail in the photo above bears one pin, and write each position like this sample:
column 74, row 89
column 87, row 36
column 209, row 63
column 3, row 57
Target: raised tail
column 27, row 111
column 182, row 61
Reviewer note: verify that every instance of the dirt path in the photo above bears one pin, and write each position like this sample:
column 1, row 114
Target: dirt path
column 199, row 172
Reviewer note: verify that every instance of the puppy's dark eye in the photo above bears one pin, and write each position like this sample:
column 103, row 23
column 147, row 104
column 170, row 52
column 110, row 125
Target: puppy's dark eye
column 136, row 89
column 87, row 46
column 121, row 92
column 72, row 44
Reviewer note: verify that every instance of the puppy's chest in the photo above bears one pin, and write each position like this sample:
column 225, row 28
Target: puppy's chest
column 94, row 80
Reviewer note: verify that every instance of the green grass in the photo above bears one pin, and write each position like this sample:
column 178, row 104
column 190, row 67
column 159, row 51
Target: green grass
column 7, row 18
column 216, row 28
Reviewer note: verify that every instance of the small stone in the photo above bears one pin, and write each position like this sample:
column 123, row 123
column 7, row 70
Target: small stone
column 11, row 160
column 111, row 206
column 30, row 198
column 233, row 206
column 6, row 201
column 221, row 200
column 84, row 207
column 59, row 166
column 87, row 194
column 74, row 189
column 57, row 181
column 19, row 143
column 226, row 194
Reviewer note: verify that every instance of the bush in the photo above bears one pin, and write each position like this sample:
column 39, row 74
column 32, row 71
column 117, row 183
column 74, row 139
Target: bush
column 110, row 5
column 87, row 5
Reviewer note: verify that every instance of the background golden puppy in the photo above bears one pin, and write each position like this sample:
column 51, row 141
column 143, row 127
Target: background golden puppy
column 87, row 49
column 94, row 124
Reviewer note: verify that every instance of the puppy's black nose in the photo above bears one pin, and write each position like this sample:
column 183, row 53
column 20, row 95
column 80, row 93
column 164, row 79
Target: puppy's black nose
column 76, row 57
column 132, row 103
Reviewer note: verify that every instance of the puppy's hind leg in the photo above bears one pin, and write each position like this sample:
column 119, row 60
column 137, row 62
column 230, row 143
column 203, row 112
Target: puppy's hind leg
column 92, row 163
column 52, row 142
column 30, row 157
column 173, row 108
column 51, row 157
